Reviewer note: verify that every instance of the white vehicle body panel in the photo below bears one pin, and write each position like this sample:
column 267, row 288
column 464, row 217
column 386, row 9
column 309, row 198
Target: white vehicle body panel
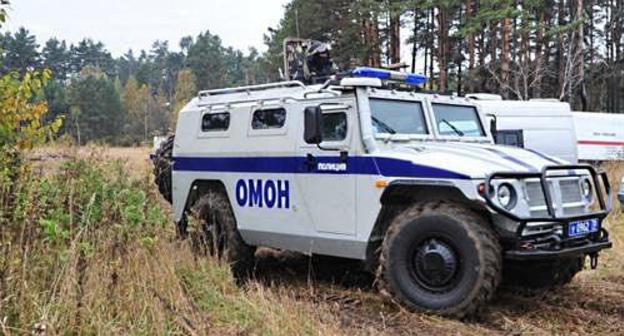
column 547, row 126
column 600, row 136
column 328, row 206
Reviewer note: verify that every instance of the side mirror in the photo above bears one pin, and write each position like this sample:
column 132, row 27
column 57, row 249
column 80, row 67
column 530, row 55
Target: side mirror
column 493, row 125
column 312, row 125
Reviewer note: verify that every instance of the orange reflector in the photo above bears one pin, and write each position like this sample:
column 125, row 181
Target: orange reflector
column 381, row 184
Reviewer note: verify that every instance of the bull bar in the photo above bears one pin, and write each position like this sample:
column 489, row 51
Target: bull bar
column 560, row 247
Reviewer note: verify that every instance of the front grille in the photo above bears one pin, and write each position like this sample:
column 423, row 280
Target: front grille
column 565, row 194
column 570, row 191
column 535, row 194
column 574, row 210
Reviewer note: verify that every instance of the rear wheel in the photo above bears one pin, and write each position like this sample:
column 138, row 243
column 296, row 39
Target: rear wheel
column 440, row 258
column 542, row 274
column 162, row 167
column 216, row 234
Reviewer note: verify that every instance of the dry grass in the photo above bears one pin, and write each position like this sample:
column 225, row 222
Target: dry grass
column 107, row 279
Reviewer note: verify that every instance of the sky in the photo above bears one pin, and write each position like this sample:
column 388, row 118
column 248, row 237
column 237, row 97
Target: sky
column 136, row 24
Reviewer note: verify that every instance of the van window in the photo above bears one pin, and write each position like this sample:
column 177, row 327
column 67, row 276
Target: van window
column 268, row 119
column 212, row 122
column 334, row 126
column 510, row 138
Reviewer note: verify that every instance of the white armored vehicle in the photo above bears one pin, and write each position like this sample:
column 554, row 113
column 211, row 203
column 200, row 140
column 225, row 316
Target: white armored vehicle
column 363, row 168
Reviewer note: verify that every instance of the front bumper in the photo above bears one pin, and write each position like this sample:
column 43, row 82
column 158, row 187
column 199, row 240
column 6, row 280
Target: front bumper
column 548, row 254
column 555, row 245
column 591, row 246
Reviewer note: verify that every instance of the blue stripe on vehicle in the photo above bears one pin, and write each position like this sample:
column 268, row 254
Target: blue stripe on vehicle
column 358, row 165
column 543, row 156
column 513, row 159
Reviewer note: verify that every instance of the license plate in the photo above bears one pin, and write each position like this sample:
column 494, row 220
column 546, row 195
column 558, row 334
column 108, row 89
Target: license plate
column 581, row 228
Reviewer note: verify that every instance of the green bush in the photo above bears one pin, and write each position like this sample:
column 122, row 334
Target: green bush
column 61, row 220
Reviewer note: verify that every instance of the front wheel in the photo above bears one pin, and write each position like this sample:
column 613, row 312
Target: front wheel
column 440, row 258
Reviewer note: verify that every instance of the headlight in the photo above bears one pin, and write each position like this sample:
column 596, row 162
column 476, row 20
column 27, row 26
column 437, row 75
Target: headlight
column 586, row 189
column 506, row 195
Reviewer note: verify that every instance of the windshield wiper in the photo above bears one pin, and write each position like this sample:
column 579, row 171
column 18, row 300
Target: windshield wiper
column 383, row 125
column 455, row 129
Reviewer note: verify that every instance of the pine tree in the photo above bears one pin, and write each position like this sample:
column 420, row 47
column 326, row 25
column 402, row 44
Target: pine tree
column 20, row 51
column 96, row 111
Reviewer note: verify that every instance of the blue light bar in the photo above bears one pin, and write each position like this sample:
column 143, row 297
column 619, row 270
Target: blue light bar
column 408, row 78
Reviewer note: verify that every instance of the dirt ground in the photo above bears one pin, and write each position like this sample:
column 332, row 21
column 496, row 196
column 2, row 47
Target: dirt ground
column 592, row 304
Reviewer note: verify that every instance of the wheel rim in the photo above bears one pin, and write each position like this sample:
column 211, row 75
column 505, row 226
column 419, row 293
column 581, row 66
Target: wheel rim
column 435, row 265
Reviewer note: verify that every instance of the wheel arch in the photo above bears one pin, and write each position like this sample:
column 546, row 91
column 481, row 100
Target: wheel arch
column 401, row 194
column 200, row 187
column 196, row 189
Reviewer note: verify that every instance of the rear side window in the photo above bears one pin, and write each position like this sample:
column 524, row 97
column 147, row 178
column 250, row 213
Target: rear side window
column 334, row 126
column 216, row 122
column 268, row 119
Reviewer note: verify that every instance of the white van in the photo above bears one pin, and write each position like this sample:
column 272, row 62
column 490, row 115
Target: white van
column 600, row 136
column 545, row 126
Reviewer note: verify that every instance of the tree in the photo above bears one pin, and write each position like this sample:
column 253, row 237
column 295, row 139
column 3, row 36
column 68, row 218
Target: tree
column 96, row 111
column 91, row 53
column 127, row 66
column 135, row 100
column 55, row 57
column 55, row 94
column 207, row 61
column 351, row 27
column 20, row 51
column 22, row 112
column 185, row 90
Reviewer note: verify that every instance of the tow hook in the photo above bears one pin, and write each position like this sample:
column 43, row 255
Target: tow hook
column 593, row 260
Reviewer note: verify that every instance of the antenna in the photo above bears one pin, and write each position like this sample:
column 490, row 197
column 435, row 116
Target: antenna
column 297, row 21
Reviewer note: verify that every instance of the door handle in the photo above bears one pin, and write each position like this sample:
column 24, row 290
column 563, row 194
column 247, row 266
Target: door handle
column 310, row 162
column 344, row 156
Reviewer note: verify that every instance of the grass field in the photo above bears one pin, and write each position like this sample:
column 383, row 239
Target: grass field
column 93, row 251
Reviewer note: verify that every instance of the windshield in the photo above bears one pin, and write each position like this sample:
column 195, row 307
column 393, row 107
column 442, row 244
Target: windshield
column 397, row 117
column 457, row 120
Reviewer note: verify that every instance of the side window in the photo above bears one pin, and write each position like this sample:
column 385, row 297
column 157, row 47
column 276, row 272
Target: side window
column 510, row 138
column 334, row 126
column 268, row 119
column 212, row 122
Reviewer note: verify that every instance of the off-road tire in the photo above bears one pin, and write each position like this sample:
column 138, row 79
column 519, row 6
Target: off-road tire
column 162, row 161
column 477, row 249
column 216, row 234
column 542, row 273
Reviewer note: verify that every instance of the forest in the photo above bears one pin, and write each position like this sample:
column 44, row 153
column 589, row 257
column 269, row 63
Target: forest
column 87, row 242
column 571, row 50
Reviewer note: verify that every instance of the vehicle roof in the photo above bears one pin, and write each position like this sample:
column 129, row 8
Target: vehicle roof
column 599, row 115
column 298, row 91
column 526, row 108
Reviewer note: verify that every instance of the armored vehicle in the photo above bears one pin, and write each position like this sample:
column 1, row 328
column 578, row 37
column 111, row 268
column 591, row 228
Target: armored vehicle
column 364, row 167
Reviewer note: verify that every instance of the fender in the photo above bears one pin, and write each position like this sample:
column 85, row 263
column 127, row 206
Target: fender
column 402, row 193
column 196, row 190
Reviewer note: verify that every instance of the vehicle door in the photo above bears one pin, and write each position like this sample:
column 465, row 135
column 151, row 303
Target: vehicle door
column 326, row 179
